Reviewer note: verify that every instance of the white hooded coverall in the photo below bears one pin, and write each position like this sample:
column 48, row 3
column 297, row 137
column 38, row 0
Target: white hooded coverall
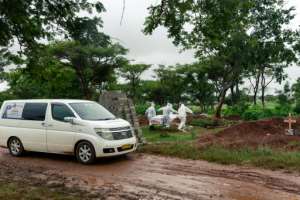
column 150, row 113
column 167, row 111
column 182, row 115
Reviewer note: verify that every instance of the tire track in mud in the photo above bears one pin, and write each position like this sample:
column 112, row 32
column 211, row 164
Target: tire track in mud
column 147, row 177
column 253, row 177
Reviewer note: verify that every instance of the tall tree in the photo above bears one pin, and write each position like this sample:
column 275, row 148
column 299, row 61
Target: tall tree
column 29, row 21
column 171, row 84
column 132, row 73
column 89, row 53
column 94, row 65
column 198, row 87
column 220, row 31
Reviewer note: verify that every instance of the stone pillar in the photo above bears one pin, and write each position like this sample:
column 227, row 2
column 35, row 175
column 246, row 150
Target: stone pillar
column 122, row 107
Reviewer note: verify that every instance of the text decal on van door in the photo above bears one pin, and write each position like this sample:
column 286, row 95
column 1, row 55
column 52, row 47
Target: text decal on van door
column 14, row 111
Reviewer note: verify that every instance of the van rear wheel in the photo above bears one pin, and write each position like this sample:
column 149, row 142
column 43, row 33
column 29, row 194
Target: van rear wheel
column 15, row 147
column 85, row 153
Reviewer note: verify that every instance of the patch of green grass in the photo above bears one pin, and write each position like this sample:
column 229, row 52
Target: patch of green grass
column 170, row 135
column 261, row 157
column 16, row 191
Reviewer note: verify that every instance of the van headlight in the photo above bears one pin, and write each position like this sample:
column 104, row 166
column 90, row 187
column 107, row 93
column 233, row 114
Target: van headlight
column 105, row 133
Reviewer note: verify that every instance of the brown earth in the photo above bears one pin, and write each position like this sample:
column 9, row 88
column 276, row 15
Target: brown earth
column 269, row 132
column 141, row 176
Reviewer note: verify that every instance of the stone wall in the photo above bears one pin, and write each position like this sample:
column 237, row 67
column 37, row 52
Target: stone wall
column 122, row 107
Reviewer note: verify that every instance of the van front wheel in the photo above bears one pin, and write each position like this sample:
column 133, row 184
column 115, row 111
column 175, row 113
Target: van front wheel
column 15, row 147
column 85, row 153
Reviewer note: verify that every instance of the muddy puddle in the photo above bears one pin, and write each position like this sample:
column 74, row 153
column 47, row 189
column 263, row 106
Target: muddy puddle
column 141, row 176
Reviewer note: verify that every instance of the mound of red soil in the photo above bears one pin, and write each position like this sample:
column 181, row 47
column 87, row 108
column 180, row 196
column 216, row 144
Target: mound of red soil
column 143, row 121
column 270, row 132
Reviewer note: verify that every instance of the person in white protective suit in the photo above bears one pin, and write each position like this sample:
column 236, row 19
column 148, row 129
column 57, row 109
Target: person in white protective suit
column 167, row 112
column 182, row 113
column 150, row 113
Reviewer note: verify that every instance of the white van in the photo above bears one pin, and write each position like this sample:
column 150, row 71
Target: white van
column 78, row 127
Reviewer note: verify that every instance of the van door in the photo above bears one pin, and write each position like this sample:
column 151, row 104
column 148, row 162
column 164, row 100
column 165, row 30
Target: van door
column 60, row 134
column 31, row 128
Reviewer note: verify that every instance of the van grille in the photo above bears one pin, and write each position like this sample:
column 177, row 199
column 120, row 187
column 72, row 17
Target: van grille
column 120, row 135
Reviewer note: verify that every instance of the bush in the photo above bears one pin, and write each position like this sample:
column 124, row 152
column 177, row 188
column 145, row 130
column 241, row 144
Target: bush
column 207, row 122
column 238, row 109
column 211, row 122
column 297, row 108
column 140, row 109
column 257, row 112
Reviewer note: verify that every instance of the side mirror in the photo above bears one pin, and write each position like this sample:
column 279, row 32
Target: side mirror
column 69, row 119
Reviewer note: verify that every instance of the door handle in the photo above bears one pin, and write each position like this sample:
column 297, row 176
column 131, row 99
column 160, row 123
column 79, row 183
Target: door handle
column 46, row 125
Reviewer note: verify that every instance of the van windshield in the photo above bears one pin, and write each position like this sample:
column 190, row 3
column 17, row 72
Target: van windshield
column 91, row 111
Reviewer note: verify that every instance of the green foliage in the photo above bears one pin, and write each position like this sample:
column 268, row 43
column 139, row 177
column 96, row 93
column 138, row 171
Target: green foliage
column 32, row 20
column 52, row 81
column 132, row 73
column 210, row 122
column 198, row 87
column 296, row 95
column 205, row 123
column 141, row 108
column 232, row 38
column 169, row 135
column 171, row 84
column 237, row 109
column 297, row 108
column 6, row 95
column 255, row 112
column 258, row 112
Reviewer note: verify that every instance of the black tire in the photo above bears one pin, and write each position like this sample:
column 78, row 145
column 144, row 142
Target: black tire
column 15, row 147
column 85, row 153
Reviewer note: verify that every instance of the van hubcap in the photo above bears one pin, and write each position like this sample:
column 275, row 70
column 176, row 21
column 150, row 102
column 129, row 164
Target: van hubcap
column 15, row 146
column 85, row 153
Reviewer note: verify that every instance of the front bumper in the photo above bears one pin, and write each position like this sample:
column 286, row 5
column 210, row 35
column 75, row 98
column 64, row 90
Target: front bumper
column 116, row 145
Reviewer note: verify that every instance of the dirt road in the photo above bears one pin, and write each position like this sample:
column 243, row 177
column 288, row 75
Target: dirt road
column 140, row 176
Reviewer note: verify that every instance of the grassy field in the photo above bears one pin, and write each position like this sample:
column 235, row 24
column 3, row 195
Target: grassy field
column 17, row 191
column 184, row 145
column 170, row 135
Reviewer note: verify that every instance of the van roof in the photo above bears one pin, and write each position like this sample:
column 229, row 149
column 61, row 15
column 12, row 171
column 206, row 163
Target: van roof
column 49, row 100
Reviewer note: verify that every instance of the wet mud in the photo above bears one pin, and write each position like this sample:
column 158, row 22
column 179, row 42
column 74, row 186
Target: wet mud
column 142, row 176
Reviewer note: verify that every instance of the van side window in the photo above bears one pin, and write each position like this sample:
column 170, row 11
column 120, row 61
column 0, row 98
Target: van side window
column 34, row 111
column 13, row 110
column 60, row 111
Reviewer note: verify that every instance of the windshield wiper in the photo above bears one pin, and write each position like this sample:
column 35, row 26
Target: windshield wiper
column 106, row 119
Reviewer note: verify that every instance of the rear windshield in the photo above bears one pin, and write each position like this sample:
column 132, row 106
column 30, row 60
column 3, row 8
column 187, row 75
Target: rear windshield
column 91, row 111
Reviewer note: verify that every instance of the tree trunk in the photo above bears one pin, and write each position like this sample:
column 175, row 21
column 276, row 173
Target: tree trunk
column 255, row 88
column 237, row 91
column 254, row 98
column 263, row 87
column 232, row 95
column 220, row 104
column 263, row 96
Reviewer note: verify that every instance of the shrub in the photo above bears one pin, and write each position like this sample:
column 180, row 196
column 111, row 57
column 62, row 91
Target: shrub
column 140, row 109
column 207, row 122
column 237, row 109
column 297, row 108
column 257, row 112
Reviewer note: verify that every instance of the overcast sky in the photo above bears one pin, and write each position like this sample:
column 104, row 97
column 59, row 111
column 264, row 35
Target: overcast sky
column 157, row 48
